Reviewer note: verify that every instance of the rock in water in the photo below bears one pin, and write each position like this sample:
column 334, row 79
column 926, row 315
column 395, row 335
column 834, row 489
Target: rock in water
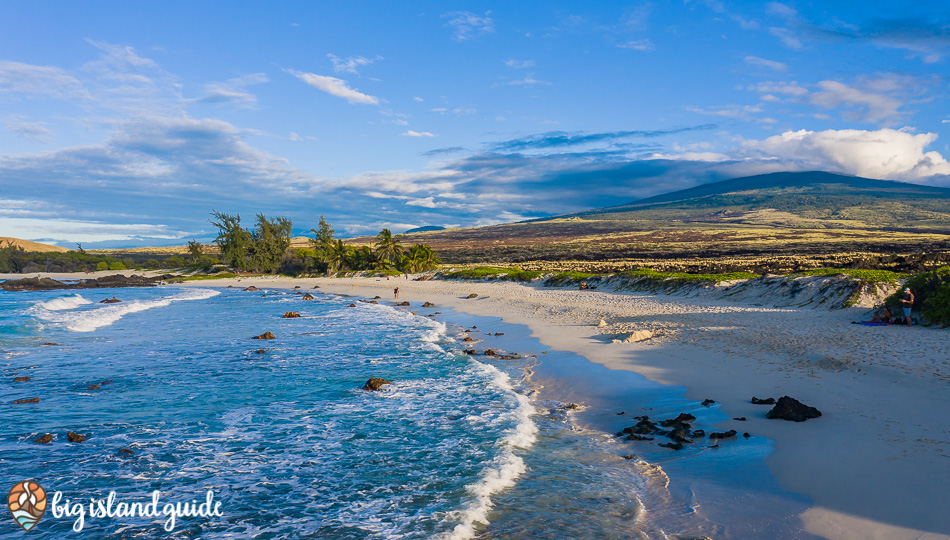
column 45, row 439
column 428, row 304
column 290, row 315
column 75, row 437
column 403, row 304
column 28, row 400
column 307, row 296
column 112, row 300
column 374, row 384
column 21, row 379
column 265, row 335
column 766, row 401
column 252, row 288
column 788, row 408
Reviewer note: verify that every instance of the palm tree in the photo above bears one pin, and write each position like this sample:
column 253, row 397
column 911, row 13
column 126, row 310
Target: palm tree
column 338, row 255
column 388, row 245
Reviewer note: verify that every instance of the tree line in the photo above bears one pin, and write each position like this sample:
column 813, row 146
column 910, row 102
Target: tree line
column 265, row 248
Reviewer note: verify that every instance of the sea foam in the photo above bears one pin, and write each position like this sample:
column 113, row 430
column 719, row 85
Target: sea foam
column 63, row 303
column 90, row 319
column 503, row 471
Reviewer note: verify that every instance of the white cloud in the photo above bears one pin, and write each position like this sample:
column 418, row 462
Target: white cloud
column 352, row 63
column 34, row 131
column 234, row 90
column 467, row 25
column 519, row 64
column 334, row 87
column 527, row 80
column 419, row 134
column 788, row 38
column 418, row 99
column 762, row 62
column 872, row 107
column 460, row 111
column 28, row 81
column 644, row 45
column 883, row 154
column 785, row 88
column 67, row 231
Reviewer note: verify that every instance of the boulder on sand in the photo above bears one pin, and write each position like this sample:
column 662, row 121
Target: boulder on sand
column 633, row 337
column 265, row 335
column 473, row 295
column 788, row 408
column 374, row 384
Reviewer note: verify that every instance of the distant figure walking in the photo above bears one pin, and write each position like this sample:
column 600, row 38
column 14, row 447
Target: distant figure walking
column 396, row 293
column 907, row 303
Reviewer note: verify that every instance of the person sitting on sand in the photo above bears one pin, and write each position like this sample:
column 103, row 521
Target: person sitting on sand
column 907, row 303
column 583, row 286
column 883, row 317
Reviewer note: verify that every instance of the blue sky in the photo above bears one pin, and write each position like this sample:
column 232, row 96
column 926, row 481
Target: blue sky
column 127, row 123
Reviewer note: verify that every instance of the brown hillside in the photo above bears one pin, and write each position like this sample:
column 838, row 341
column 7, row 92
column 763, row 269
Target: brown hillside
column 30, row 246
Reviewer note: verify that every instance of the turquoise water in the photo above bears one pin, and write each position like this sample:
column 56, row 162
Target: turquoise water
column 286, row 439
column 283, row 436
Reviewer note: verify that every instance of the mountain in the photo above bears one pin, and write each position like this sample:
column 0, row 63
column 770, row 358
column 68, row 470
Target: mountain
column 799, row 200
column 770, row 222
column 427, row 228
column 30, row 246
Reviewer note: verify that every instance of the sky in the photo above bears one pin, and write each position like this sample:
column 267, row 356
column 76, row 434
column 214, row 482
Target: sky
column 126, row 124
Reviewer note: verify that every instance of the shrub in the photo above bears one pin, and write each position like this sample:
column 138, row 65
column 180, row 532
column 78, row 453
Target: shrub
column 102, row 266
column 116, row 265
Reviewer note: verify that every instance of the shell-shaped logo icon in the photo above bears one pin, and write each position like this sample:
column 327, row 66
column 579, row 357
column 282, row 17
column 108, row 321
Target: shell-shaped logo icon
column 27, row 502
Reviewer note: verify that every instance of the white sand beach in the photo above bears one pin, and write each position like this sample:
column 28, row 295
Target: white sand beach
column 876, row 464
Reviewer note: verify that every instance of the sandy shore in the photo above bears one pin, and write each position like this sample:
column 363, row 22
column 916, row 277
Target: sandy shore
column 876, row 464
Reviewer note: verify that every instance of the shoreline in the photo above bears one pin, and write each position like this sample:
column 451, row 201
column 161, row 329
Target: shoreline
column 874, row 464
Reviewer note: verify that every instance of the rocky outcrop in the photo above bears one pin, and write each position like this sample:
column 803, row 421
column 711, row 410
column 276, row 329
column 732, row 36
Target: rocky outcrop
column 473, row 295
column 428, row 304
column 290, row 315
column 112, row 300
column 375, row 384
column 766, row 401
column 27, row 400
column 307, row 296
column 21, row 379
column 265, row 335
column 402, row 304
column 75, row 437
column 104, row 282
column 788, row 408
column 251, row 288
column 45, row 439
column 723, row 435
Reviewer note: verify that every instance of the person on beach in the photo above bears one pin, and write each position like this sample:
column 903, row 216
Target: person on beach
column 883, row 317
column 396, row 293
column 583, row 286
column 907, row 303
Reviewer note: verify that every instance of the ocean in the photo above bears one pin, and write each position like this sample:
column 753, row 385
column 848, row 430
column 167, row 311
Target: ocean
column 173, row 395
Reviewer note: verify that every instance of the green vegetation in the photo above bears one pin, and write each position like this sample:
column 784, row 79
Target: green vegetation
column 561, row 279
column 261, row 249
column 931, row 295
column 495, row 272
column 222, row 275
column 389, row 257
column 682, row 277
column 868, row 276
column 14, row 259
